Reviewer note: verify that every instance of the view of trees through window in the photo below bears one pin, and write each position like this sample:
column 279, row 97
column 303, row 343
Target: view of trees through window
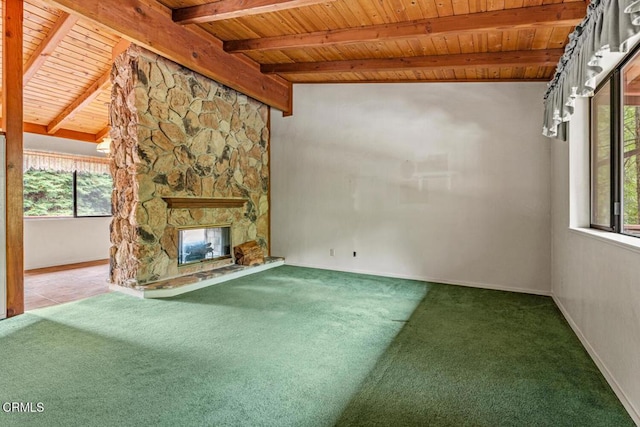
column 601, row 158
column 631, row 148
column 93, row 194
column 50, row 193
column 630, row 169
column 615, row 151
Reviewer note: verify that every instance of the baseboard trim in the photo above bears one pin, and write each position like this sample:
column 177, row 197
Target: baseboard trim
column 631, row 409
column 431, row 279
column 64, row 267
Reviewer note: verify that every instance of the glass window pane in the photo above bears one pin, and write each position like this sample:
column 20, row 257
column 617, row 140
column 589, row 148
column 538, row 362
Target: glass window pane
column 48, row 193
column 601, row 157
column 93, row 194
column 202, row 244
column 630, row 148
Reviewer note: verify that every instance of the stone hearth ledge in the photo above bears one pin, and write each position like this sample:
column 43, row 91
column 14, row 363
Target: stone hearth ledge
column 179, row 285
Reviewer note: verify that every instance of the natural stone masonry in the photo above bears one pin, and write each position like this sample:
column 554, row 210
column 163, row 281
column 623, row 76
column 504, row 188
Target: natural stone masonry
column 176, row 133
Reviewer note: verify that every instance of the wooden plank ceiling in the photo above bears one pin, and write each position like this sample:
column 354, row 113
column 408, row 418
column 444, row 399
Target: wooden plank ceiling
column 68, row 57
column 63, row 59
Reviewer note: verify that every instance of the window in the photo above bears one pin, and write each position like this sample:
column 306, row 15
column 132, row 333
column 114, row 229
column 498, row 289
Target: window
column 631, row 147
column 93, row 194
column 57, row 185
column 48, row 193
column 615, row 150
column 601, row 158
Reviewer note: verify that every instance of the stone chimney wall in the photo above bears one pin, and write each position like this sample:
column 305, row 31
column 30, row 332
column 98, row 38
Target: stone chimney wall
column 178, row 134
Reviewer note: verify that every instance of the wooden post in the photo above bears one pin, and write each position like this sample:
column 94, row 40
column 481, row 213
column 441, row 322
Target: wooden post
column 269, row 185
column 12, row 117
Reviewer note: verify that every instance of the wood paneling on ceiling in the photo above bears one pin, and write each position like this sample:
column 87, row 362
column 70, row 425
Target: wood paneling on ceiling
column 67, row 55
column 64, row 57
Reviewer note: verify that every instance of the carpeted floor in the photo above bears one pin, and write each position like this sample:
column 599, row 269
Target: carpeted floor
column 475, row 357
column 303, row 347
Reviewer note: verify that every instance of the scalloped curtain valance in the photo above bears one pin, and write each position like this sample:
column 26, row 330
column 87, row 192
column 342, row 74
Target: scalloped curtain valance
column 64, row 162
column 608, row 26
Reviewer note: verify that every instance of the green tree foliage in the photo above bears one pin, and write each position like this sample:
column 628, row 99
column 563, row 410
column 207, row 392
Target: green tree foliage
column 631, row 146
column 93, row 194
column 601, row 159
column 50, row 193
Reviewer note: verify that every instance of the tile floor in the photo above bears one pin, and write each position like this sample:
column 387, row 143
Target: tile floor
column 51, row 288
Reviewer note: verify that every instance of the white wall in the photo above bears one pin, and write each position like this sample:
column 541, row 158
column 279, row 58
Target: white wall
column 59, row 241
column 50, row 242
column 595, row 281
column 60, row 145
column 346, row 175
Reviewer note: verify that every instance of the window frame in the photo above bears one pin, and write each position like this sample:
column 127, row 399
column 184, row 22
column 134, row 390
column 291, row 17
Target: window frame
column 592, row 132
column 617, row 150
column 75, row 215
column 75, row 199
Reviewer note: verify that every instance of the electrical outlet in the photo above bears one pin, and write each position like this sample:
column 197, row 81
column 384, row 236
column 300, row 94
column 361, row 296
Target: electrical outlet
column 332, row 252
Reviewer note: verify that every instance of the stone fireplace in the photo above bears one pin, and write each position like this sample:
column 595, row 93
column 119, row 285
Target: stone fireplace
column 187, row 152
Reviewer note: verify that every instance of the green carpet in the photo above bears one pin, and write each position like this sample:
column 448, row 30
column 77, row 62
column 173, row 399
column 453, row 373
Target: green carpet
column 474, row 357
column 303, row 347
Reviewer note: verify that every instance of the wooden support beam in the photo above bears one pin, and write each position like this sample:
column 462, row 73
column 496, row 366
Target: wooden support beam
column 289, row 111
column 404, row 81
column 62, row 133
column 563, row 14
column 467, row 60
column 120, row 47
column 147, row 23
column 12, row 113
column 229, row 9
column 82, row 101
column 102, row 134
column 59, row 30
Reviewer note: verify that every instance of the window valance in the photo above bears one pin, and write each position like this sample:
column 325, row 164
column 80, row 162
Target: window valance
column 64, row 162
column 608, row 26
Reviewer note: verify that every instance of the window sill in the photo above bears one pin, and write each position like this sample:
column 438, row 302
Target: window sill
column 615, row 239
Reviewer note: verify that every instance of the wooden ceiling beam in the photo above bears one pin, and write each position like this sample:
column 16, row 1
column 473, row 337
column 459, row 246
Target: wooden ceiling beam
column 553, row 15
column 83, row 100
column 481, row 80
column 89, row 96
column 525, row 58
column 229, row 9
column 58, row 32
column 102, row 134
column 120, row 47
column 147, row 23
column 62, row 133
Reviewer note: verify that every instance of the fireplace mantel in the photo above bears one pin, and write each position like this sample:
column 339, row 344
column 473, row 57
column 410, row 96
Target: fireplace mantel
column 203, row 202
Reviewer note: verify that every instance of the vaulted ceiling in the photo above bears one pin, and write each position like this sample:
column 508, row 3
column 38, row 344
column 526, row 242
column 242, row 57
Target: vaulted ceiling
column 263, row 46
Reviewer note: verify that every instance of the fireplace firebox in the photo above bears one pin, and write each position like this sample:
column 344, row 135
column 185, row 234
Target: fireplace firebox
column 204, row 243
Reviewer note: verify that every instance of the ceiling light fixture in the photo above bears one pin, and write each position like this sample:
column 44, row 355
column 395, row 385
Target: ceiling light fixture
column 104, row 146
